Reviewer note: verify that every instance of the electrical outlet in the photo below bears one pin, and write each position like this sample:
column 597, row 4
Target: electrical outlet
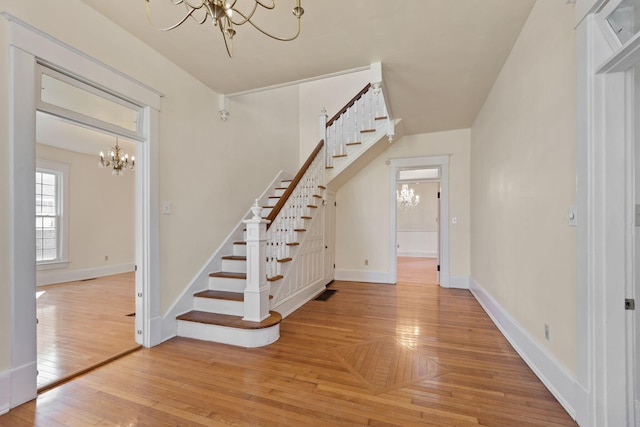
column 366, row 262
column 546, row 332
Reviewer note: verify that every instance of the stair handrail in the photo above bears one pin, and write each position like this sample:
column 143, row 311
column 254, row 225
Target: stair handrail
column 349, row 104
column 294, row 183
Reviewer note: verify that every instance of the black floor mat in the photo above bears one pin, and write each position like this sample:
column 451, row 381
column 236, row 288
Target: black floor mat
column 326, row 295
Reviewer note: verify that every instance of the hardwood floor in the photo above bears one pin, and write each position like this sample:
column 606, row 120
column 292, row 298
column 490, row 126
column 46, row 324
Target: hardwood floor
column 378, row 355
column 417, row 270
column 83, row 324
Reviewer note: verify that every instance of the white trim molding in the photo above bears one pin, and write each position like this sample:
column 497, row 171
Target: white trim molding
column 365, row 276
column 459, row 282
column 57, row 276
column 5, row 392
column 560, row 382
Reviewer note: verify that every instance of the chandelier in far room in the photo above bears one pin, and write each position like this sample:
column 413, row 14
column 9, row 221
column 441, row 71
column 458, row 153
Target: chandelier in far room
column 117, row 159
column 406, row 197
column 227, row 15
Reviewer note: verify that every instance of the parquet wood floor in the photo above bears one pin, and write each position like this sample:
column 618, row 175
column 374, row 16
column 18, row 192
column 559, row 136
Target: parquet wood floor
column 83, row 324
column 379, row 355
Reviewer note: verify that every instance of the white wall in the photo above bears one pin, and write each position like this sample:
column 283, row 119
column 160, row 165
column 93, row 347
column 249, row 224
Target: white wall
column 362, row 214
column 523, row 181
column 332, row 94
column 209, row 170
column 101, row 218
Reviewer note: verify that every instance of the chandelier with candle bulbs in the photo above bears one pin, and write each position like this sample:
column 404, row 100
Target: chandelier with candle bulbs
column 226, row 16
column 406, row 197
column 117, row 160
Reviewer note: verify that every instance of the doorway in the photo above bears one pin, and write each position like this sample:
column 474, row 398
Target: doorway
column 85, row 251
column 422, row 169
column 28, row 48
column 418, row 226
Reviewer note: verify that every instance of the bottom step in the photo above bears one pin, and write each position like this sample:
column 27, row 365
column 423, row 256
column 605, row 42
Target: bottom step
column 228, row 329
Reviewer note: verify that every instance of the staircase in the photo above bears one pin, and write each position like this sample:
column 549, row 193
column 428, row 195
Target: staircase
column 274, row 259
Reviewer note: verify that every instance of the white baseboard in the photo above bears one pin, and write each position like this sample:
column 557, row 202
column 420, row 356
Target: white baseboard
column 364, row 276
column 418, row 254
column 23, row 384
column 51, row 277
column 459, row 282
column 294, row 302
column 5, row 392
column 560, row 382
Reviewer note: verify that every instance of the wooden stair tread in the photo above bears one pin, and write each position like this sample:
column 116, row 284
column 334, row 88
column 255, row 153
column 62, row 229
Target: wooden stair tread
column 328, row 167
column 381, row 118
column 229, row 320
column 306, row 217
column 335, row 156
column 224, row 295
column 367, row 130
column 322, row 186
column 235, row 257
column 312, row 206
column 299, row 229
column 229, row 275
column 354, row 143
column 317, row 196
column 240, row 242
column 293, row 244
column 274, row 278
column 284, row 260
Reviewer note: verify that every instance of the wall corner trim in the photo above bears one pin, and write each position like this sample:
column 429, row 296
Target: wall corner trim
column 5, row 381
column 560, row 382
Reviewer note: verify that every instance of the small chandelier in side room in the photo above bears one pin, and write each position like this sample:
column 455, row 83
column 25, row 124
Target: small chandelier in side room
column 226, row 16
column 406, row 197
column 117, row 159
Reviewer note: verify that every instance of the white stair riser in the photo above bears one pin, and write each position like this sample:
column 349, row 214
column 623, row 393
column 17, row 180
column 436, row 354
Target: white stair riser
column 234, row 266
column 240, row 250
column 272, row 201
column 266, row 211
column 279, row 192
column 220, row 306
column 227, row 284
column 250, row 338
column 285, row 184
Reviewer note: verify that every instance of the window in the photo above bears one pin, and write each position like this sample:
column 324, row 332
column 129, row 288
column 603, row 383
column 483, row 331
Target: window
column 51, row 229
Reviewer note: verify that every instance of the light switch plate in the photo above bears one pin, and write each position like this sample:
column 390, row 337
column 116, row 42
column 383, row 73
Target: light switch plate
column 572, row 216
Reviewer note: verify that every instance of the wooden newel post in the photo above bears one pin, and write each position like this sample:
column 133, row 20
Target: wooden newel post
column 256, row 294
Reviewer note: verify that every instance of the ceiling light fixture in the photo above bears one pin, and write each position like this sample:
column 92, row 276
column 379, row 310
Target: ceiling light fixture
column 227, row 15
column 406, row 197
column 117, row 160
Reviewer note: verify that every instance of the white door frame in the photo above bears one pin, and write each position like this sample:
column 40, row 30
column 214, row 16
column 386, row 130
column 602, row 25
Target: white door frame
column 27, row 47
column 605, row 223
column 441, row 162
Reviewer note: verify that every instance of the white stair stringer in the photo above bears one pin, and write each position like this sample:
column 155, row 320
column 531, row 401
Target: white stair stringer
column 359, row 156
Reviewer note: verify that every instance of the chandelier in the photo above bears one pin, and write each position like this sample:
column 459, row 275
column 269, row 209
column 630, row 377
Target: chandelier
column 225, row 16
column 406, row 197
column 117, row 159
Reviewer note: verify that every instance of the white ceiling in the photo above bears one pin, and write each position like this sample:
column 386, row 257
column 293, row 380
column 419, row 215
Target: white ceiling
column 439, row 57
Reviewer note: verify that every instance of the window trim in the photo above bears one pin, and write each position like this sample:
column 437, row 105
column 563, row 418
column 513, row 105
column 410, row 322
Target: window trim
column 62, row 171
